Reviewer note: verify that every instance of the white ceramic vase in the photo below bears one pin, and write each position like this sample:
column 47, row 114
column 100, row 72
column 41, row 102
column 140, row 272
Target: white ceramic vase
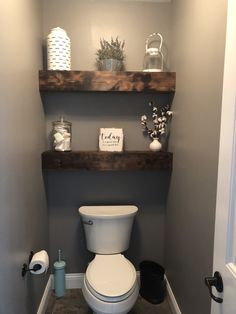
column 155, row 145
column 58, row 50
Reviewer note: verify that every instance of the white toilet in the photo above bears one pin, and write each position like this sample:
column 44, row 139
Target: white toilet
column 110, row 283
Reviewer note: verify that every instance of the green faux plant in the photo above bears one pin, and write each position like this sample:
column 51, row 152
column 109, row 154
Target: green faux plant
column 111, row 50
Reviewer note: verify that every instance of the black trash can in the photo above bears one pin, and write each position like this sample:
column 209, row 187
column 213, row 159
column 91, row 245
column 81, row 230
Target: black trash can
column 153, row 284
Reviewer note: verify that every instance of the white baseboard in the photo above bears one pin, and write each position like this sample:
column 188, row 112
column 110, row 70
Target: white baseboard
column 75, row 280
column 171, row 299
column 45, row 298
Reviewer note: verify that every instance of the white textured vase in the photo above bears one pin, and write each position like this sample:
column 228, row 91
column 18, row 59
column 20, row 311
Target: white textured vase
column 155, row 145
column 58, row 50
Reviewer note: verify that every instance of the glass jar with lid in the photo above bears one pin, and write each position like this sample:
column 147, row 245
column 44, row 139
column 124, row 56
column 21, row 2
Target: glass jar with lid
column 61, row 131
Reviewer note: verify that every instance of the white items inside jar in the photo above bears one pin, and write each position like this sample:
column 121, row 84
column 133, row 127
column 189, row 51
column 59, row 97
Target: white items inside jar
column 62, row 135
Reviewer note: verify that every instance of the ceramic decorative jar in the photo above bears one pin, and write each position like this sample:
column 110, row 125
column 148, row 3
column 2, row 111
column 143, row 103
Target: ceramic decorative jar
column 155, row 145
column 58, row 50
column 61, row 130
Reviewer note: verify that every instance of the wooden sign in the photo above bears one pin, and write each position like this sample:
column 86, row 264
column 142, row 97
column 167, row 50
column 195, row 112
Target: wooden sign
column 111, row 140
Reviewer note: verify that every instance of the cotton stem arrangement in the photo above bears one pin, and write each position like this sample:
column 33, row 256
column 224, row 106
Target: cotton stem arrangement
column 161, row 115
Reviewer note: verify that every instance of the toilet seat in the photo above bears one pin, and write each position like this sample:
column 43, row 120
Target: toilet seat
column 111, row 278
column 109, row 299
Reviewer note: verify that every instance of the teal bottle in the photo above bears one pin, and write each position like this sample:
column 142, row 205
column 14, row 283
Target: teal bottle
column 59, row 276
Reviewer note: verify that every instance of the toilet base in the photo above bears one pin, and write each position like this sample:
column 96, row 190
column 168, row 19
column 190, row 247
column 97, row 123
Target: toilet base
column 101, row 307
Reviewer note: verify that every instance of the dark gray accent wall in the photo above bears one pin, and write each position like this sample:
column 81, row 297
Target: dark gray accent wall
column 198, row 41
column 23, row 213
column 66, row 191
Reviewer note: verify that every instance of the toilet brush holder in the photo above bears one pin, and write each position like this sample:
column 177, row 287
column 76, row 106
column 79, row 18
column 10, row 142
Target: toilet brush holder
column 59, row 276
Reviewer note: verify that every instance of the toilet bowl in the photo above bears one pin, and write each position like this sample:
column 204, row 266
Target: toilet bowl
column 110, row 283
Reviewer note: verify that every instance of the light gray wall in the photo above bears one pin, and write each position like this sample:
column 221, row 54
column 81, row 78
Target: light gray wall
column 197, row 57
column 86, row 22
column 23, row 213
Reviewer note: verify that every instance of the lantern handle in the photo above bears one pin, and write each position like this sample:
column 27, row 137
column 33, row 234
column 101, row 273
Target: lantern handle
column 150, row 37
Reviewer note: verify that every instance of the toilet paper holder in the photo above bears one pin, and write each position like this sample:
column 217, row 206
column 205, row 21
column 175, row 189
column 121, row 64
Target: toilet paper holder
column 26, row 268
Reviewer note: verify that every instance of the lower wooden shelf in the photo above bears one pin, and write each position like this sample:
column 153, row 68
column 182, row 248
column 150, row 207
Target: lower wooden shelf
column 106, row 161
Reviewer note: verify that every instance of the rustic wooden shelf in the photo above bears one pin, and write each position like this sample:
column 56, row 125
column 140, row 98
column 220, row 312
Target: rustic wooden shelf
column 106, row 161
column 102, row 81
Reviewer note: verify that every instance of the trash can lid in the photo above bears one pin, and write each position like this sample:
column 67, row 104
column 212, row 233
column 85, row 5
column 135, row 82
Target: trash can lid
column 151, row 267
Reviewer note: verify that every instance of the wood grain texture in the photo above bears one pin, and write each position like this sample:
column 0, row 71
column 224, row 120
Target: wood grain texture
column 106, row 161
column 163, row 82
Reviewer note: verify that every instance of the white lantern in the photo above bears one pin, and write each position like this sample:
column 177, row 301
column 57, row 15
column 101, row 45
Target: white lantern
column 153, row 59
column 58, row 50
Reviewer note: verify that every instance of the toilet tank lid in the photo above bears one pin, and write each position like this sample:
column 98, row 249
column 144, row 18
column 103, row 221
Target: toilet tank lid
column 108, row 211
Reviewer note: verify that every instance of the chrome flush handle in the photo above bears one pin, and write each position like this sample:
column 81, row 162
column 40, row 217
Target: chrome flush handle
column 89, row 222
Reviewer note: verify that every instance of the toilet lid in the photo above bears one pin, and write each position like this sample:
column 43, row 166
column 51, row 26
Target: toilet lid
column 111, row 275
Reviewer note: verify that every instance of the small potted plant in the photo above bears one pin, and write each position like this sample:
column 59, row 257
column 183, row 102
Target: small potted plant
column 110, row 55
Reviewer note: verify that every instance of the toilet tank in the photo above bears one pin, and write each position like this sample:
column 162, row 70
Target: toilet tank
column 107, row 228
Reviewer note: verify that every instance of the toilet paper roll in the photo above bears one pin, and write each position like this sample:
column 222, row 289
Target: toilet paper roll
column 39, row 263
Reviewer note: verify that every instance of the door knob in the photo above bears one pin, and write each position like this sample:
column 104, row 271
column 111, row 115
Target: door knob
column 216, row 282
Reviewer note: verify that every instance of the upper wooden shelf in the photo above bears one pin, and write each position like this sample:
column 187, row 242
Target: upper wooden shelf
column 102, row 81
column 106, row 161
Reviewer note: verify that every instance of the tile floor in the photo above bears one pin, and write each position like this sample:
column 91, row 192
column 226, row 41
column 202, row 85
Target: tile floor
column 74, row 303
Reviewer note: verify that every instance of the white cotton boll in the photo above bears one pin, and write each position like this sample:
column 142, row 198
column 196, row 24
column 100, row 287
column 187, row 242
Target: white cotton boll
column 144, row 118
